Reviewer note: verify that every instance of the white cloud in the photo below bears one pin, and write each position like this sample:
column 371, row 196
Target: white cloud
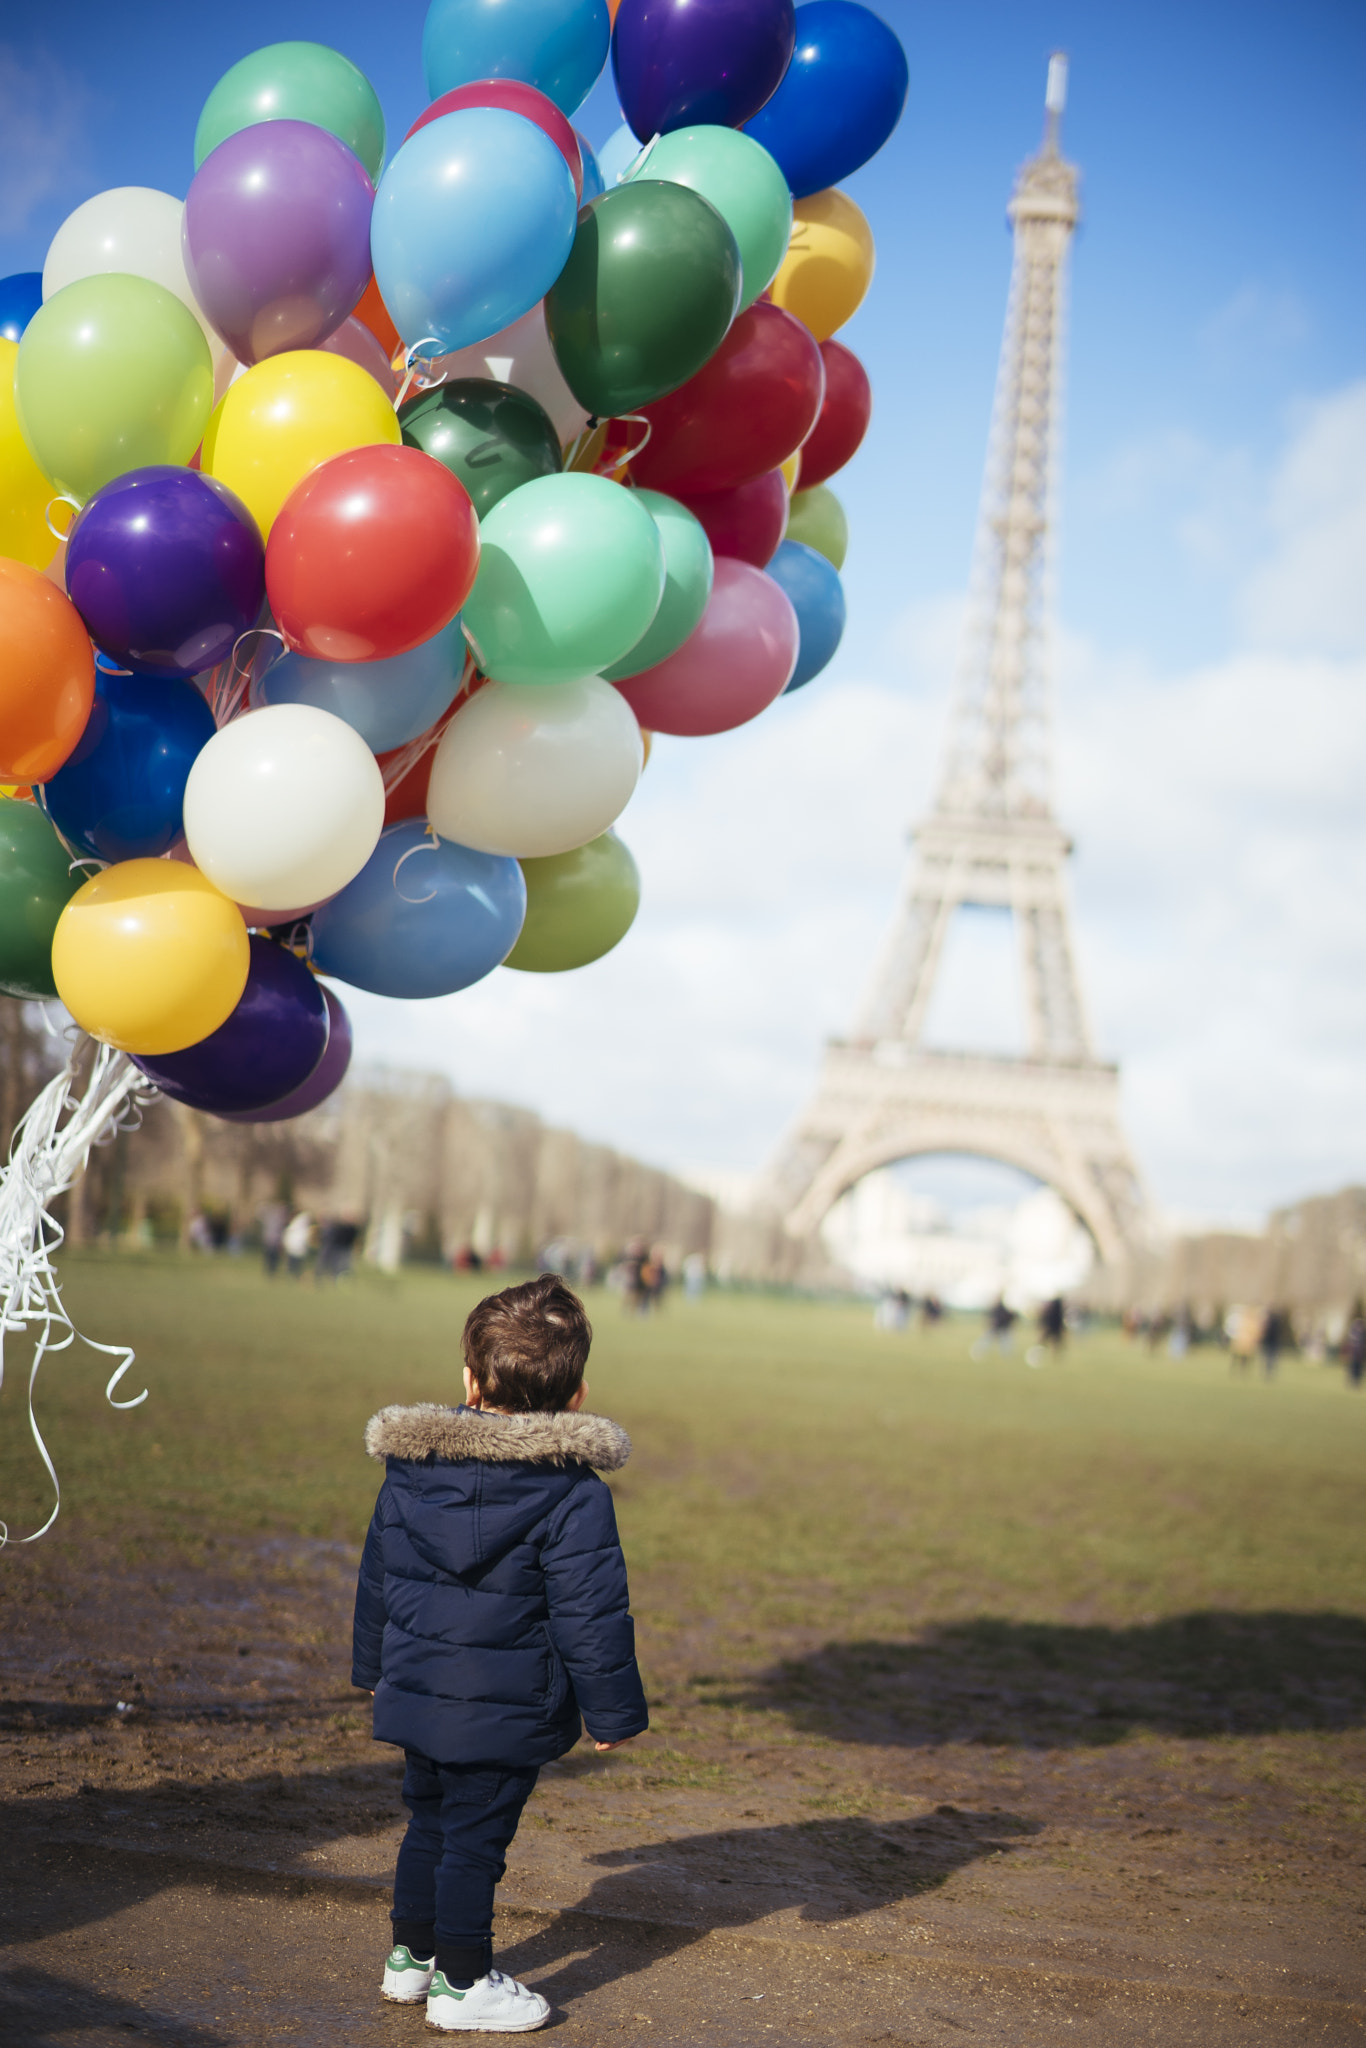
column 1311, row 593
column 42, row 146
column 1220, row 877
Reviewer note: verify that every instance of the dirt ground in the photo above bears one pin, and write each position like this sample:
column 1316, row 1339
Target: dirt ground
column 199, row 1833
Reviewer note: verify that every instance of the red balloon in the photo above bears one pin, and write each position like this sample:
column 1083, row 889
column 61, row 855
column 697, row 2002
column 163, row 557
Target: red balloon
column 517, row 99
column 374, row 552
column 844, row 416
column 744, row 412
column 736, row 660
column 747, row 522
column 408, row 799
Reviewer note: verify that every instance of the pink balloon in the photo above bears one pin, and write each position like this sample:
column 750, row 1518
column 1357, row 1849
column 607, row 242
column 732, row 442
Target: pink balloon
column 515, row 98
column 354, row 340
column 736, row 660
column 748, row 521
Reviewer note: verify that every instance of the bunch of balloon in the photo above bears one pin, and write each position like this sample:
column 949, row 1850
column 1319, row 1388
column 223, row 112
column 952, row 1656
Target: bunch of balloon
column 362, row 515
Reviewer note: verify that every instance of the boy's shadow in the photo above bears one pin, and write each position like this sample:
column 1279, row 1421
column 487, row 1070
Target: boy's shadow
column 662, row 1897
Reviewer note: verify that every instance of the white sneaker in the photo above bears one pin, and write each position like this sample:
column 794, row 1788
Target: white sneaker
column 495, row 2005
column 406, row 1980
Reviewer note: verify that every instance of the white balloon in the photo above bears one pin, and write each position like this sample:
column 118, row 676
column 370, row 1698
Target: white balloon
column 522, row 355
column 531, row 769
column 134, row 229
column 283, row 806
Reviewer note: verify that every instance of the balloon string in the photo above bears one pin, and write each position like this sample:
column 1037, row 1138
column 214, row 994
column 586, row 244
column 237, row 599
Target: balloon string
column 609, row 461
column 411, row 358
column 51, row 1145
column 405, row 759
column 429, row 843
column 60, row 499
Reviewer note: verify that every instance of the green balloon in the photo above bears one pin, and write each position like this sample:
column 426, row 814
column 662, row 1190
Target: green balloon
column 578, row 906
column 743, row 183
column 296, row 82
column 651, row 285
column 571, row 571
column 113, row 373
column 816, row 517
column 687, row 585
column 491, row 437
column 36, row 884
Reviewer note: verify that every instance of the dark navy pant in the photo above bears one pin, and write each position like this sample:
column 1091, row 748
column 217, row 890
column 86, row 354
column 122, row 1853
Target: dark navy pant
column 462, row 1818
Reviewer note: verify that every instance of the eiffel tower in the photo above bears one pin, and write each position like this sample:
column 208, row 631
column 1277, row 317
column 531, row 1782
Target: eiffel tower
column 991, row 838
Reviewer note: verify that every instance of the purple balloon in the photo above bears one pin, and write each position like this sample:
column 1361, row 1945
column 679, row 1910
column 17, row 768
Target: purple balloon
column 679, row 63
column 276, row 236
column 326, row 1077
column 269, row 1047
column 167, row 568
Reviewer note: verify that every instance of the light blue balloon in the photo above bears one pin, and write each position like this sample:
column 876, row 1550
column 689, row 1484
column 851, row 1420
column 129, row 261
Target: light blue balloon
column 559, row 46
column 473, row 222
column 617, row 154
column 813, row 588
column 424, row 917
column 593, row 186
column 387, row 702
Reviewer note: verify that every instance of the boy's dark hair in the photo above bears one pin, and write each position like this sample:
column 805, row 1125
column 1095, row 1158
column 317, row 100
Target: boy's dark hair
column 526, row 1348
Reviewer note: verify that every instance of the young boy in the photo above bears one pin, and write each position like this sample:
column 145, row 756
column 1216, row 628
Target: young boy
column 492, row 1609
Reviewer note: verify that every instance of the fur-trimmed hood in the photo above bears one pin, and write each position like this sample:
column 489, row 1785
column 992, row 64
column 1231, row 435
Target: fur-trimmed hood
column 431, row 1431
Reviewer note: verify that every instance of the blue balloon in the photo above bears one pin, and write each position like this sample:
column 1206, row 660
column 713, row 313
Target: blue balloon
column 473, row 222
column 20, row 297
column 841, row 97
column 421, row 926
column 813, row 588
column 559, row 46
column 387, row 702
column 119, row 795
column 594, row 184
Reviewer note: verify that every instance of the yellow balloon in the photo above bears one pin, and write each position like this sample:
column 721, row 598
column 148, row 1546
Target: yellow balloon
column 791, row 470
column 287, row 415
column 149, row 957
column 828, row 268
column 25, row 492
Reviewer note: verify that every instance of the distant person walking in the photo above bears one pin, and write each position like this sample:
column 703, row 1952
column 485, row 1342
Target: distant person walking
column 273, row 1218
column 1053, row 1323
column 1354, row 1349
column 1277, row 1336
column 295, row 1240
column 1244, row 1327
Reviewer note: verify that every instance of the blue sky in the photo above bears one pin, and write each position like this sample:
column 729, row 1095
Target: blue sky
column 1212, row 634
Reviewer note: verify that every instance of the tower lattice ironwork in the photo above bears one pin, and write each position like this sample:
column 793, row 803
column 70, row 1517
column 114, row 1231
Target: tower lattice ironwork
column 991, row 838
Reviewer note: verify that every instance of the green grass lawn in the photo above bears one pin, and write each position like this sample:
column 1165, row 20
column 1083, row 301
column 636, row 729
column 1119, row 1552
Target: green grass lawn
column 787, row 1455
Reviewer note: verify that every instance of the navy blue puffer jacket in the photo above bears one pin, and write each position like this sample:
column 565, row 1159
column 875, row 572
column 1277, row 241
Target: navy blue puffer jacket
column 492, row 1608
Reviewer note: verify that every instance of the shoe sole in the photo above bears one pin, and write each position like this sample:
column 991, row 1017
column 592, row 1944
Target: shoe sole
column 497, row 2027
column 404, row 1998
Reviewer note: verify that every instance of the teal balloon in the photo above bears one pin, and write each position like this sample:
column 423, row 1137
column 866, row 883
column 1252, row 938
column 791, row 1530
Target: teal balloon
column 296, row 82
column 650, row 288
column 491, row 437
column 740, row 179
column 688, row 571
column 571, row 572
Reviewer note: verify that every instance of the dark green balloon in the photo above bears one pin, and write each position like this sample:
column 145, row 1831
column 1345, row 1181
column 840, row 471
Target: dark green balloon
column 491, row 437
column 36, row 884
column 652, row 283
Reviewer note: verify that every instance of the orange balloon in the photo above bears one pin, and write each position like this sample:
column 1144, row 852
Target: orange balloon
column 47, row 674
column 374, row 314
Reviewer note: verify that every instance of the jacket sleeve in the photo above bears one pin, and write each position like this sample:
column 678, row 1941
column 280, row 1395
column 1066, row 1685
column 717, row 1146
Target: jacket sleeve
column 367, row 1634
column 590, row 1614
